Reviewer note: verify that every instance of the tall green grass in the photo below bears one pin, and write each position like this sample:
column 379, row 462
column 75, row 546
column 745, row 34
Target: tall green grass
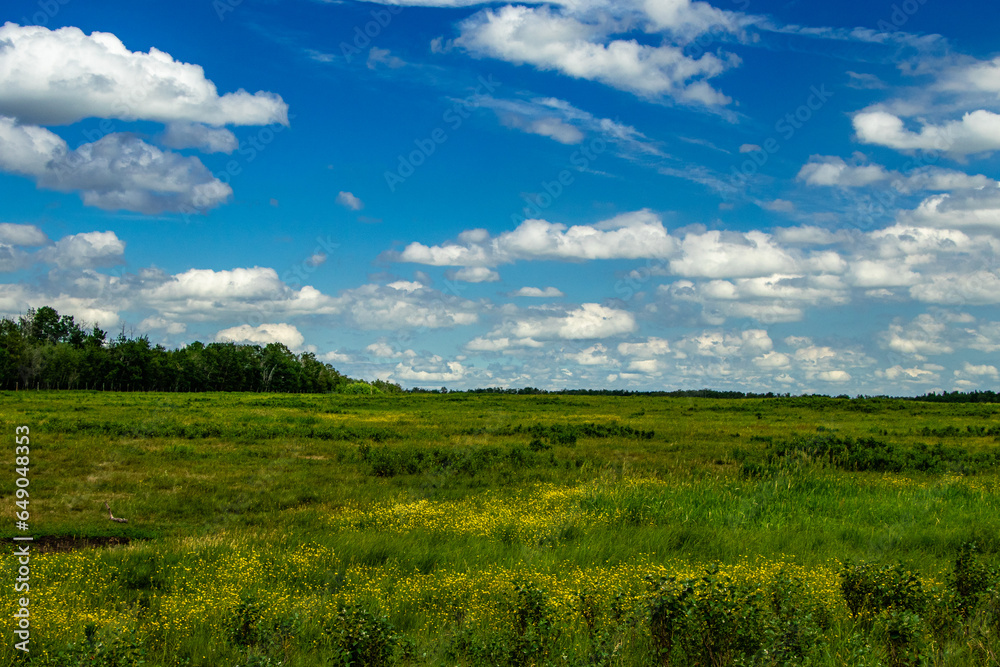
column 206, row 479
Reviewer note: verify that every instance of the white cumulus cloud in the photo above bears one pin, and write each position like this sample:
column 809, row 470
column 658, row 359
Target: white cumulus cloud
column 283, row 333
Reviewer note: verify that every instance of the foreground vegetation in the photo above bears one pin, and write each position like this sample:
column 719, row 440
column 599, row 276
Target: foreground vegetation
column 488, row 529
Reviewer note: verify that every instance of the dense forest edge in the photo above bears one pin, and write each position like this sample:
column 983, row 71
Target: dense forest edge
column 45, row 350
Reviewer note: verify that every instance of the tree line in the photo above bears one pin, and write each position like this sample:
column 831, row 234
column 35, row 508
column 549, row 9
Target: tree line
column 43, row 350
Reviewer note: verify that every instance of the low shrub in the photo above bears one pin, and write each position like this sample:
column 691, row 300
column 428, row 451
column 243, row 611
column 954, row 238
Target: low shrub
column 870, row 589
column 359, row 637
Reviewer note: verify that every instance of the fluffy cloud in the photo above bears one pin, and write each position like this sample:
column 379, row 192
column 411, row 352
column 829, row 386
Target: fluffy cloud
column 716, row 254
column 348, row 200
column 15, row 300
column 973, row 209
column 775, row 298
column 960, row 288
column 377, row 56
column 910, row 375
column 749, row 343
column 830, row 170
column 257, row 293
column 828, row 364
column 481, row 344
column 12, row 239
column 834, row 171
column 595, row 355
column 981, row 370
column 433, row 370
column 648, row 349
column 386, row 351
column 286, row 334
column 837, row 376
column 805, row 235
column 977, row 132
column 627, row 236
column 56, row 77
column 119, row 171
column 22, row 235
column 687, row 19
column 539, row 292
column 551, row 127
column 204, row 138
column 589, row 320
column 778, row 206
column 925, row 335
column 474, row 274
column 773, row 360
column 553, row 41
column 12, row 258
column 389, row 308
column 87, row 250
column 244, row 293
column 162, row 324
column 941, row 332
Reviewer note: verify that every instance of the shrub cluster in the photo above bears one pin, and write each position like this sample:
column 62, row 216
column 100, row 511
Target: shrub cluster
column 863, row 454
column 468, row 461
column 567, row 434
column 713, row 621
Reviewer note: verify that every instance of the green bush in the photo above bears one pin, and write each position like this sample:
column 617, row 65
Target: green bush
column 858, row 455
column 905, row 637
column 796, row 629
column 707, row 621
column 103, row 649
column 359, row 638
column 530, row 639
column 970, row 578
column 870, row 589
column 468, row 461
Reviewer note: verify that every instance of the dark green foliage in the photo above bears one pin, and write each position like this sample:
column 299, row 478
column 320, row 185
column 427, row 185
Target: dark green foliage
column 797, row 628
column 359, row 638
column 567, row 434
column 869, row 589
column 971, row 578
column 905, row 637
column 864, row 455
column 961, row 397
column 537, row 445
column 44, row 350
column 708, row 621
column 530, row 639
column 102, row 649
column 468, row 461
column 246, row 625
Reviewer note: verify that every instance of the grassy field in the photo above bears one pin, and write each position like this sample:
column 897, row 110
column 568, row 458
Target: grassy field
column 505, row 530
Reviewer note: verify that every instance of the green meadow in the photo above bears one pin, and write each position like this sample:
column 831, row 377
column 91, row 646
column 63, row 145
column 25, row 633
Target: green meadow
column 478, row 529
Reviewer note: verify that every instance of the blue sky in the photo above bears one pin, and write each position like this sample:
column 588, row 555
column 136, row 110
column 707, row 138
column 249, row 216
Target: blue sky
column 766, row 196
